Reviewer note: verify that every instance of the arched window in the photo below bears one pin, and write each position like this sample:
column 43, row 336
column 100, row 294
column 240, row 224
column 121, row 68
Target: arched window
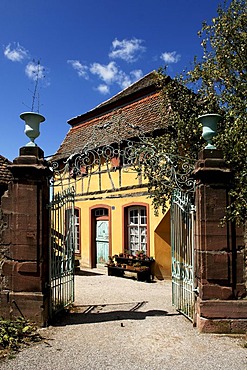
column 137, row 228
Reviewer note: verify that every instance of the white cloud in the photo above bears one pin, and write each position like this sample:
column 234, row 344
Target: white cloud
column 107, row 73
column 103, row 89
column 80, row 68
column 35, row 71
column 110, row 74
column 128, row 50
column 124, row 80
column 170, row 57
column 136, row 74
column 15, row 53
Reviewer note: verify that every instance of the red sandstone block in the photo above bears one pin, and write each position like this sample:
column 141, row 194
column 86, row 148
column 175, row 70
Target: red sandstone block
column 18, row 280
column 239, row 326
column 211, row 203
column 4, row 304
column 27, row 267
column 214, row 242
column 240, row 267
column 26, row 196
column 6, row 203
column 214, row 228
column 210, row 236
column 23, row 221
column 214, row 265
column 240, row 291
column 24, row 283
column 219, row 309
column 23, row 252
column 7, row 236
column 22, row 237
column 33, row 306
column 213, row 291
column 213, row 326
column 8, row 267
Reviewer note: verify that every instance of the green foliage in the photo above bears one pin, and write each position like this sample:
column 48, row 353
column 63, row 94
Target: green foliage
column 221, row 77
column 14, row 334
column 168, row 160
column 216, row 84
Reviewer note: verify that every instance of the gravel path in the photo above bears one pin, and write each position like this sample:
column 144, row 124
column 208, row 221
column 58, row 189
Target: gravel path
column 127, row 325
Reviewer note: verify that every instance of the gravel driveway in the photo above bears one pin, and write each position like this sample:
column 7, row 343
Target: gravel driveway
column 123, row 324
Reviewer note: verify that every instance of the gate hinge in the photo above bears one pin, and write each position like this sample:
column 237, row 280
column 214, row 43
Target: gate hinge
column 196, row 290
column 193, row 208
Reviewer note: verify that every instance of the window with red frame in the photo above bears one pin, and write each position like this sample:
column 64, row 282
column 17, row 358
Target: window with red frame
column 137, row 229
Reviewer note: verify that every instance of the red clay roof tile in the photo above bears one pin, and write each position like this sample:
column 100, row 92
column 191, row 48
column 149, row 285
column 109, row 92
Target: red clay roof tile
column 111, row 122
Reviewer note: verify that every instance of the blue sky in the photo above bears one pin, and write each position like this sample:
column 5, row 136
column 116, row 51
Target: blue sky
column 89, row 50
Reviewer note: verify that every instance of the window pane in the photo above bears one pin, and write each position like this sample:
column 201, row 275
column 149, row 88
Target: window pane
column 101, row 212
column 133, row 216
column 137, row 234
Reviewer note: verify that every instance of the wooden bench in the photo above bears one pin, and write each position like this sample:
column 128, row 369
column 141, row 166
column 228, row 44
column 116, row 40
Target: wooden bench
column 126, row 264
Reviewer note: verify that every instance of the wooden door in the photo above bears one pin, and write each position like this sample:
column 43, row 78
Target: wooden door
column 102, row 241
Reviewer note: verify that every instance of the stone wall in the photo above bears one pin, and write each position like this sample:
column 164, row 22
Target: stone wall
column 24, row 239
column 221, row 304
column 3, row 249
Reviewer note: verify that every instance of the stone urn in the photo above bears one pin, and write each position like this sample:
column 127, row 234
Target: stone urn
column 209, row 127
column 32, row 122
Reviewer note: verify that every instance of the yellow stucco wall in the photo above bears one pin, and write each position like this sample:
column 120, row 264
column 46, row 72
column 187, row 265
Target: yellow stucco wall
column 159, row 230
column 116, row 189
column 162, row 241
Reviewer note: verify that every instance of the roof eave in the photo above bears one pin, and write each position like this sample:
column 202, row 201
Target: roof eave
column 111, row 105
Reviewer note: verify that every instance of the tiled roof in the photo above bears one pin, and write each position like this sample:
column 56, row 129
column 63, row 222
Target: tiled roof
column 5, row 174
column 134, row 111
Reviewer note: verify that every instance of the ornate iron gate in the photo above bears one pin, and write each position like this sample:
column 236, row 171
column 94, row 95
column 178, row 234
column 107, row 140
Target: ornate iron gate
column 62, row 245
column 182, row 242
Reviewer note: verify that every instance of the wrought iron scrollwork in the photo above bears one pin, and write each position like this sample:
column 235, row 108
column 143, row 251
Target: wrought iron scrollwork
column 133, row 154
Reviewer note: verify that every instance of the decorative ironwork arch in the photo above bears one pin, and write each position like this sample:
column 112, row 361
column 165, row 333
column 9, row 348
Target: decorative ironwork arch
column 129, row 150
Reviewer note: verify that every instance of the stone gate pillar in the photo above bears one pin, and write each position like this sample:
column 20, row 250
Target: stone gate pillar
column 219, row 255
column 25, row 239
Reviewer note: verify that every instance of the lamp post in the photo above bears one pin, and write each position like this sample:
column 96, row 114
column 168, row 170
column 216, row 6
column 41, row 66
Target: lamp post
column 32, row 122
column 209, row 127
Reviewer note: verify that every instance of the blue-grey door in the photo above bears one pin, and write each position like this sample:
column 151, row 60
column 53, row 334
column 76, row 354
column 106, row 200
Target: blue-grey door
column 102, row 241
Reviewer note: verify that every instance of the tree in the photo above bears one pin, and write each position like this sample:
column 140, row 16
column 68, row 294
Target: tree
column 222, row 78
column 216, row 84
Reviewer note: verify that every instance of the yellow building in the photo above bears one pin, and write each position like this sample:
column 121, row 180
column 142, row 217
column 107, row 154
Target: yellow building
column 98, row 156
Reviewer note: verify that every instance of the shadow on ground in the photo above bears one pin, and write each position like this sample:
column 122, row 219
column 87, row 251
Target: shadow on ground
column 90, row 272
column 82, row 314
column 87, row 273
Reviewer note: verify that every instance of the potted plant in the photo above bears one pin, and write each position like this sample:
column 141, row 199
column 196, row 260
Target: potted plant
column 137, row 266
column 126, row 253
column 140, row 254
column 110, row 261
